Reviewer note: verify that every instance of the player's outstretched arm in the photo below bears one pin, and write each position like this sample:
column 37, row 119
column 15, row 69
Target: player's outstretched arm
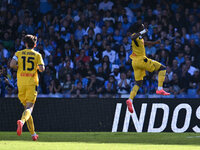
column 136, row 35
column 150, row 43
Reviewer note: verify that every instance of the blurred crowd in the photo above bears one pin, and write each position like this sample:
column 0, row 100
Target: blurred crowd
column 86, row 45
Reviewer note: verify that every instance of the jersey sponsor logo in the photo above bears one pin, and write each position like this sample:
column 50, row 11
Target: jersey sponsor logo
column 27, row 74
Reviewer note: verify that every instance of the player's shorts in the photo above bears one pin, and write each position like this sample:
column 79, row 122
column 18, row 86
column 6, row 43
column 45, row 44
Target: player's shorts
column 27, row 93
column 141, row 64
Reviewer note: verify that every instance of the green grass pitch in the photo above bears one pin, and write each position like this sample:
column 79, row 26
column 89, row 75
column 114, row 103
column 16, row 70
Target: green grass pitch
column 100, row 141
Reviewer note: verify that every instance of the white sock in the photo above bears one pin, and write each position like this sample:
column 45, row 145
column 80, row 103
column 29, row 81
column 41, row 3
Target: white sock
column 160, row 88
column 22, row 122
column 131, row 100
column 34, row 134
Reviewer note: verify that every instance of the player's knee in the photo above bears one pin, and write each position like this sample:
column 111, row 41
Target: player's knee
column 29, row 106
column 139, row 83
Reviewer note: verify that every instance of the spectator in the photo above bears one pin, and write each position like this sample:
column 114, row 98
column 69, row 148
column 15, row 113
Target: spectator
column 153, row 84
column 98, row 41
column 117, row 37
column 150, row 51
column 7, row 41
column 55, row 87
column 175, row 67
column 126, row 44
column 105, row 70
column 89, row 69
column 83, row 80
column 186, row 77
column 67, row 86
column 121, row 56
column 125, row 24
column 116, row 73
column 180, row 59
column 83, row 57
column 175, row 85
column 13, row 82
column 110, row 53
column 111, row 80
column 195, row 80
column 105, row 5
column 4, row 82
column 95, row 86
column 190, row 68
column 79, row 32
column 4, row 54
column 164, row 57
column 46, row 79
column 108, row 17
column 79, row 91
column 100, row 74
column 66, row 69
column 169, row 73
column 123, row 84
column 68, row 51
column 101, row 29
column 108, row 91
column 95, row 55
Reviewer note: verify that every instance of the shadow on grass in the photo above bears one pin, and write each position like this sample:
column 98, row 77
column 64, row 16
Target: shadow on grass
column 107, row 137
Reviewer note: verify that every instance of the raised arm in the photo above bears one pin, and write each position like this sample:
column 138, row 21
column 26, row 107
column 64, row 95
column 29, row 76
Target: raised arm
column 136, row 35
column 150, row 43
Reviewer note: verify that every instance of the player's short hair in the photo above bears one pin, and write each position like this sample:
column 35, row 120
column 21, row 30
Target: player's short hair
column 31, row 40
column 136, row 27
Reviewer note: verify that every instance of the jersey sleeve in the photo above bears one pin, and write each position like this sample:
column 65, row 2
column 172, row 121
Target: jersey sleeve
column 15, row 57
column 40, row 60
column 136, row 38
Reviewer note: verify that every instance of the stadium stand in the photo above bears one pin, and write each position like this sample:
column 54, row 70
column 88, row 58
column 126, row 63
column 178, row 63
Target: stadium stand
column 86, row 45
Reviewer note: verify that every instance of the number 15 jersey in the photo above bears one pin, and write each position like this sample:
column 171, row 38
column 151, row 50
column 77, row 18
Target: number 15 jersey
column 28, row 61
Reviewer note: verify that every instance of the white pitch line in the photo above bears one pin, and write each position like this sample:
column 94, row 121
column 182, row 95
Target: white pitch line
column 193, row 137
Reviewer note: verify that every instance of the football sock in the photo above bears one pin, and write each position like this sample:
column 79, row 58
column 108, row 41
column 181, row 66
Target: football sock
column 26, row 115
column 161, row 78
column 134, row 91
column 33, row 134
column 30, row 125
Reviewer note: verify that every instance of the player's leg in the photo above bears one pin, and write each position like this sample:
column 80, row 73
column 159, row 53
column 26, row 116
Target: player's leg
column 161, row 79
column 25, row 116
column 139, row 74
column 31, row 128
column 152, row 65
column 21, row 96
column 30, row 96
column 133, row 93
column 135, row 89
column 27, row 112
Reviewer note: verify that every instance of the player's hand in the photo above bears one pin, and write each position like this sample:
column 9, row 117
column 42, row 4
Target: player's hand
column 143, row 31
column 158, row 42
